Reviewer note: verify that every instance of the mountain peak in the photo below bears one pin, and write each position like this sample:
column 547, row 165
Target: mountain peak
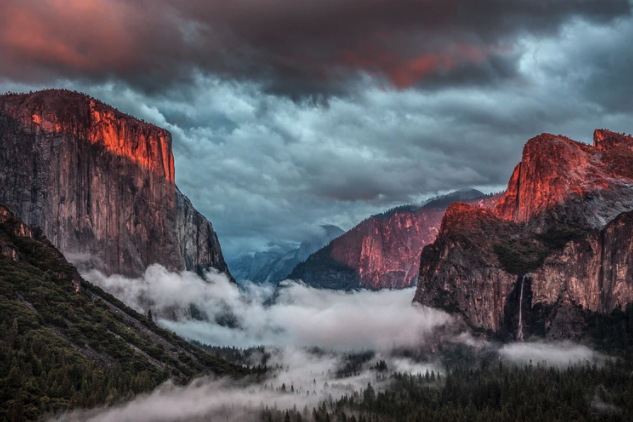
column 573, row 203
column 555, row 170
column 444, row 201
column 604, row 139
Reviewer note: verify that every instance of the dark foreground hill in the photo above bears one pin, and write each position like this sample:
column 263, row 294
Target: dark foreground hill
column 65, row 343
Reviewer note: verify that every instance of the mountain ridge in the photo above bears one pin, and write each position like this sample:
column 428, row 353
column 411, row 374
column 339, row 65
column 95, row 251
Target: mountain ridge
column 277, row 263
column 383, row 250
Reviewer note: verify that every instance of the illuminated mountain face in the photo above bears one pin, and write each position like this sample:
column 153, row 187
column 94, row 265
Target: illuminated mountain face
column 563, row 228
column 100, row 184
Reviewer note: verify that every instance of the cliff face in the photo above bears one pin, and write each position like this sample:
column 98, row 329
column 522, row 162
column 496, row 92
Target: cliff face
column 596, row 272
column 561, row 236
column 100, row 184
column 562, row 180
column 382, row 251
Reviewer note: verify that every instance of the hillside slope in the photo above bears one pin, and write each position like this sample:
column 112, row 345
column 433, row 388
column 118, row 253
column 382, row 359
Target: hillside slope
column 65, row 343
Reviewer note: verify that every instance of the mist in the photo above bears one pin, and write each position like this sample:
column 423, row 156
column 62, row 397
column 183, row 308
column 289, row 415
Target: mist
column 559, row 354
column 292, row 315
column 305, row 380
column 290, row 321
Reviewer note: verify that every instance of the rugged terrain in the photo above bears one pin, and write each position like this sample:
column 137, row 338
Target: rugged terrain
column 100, row 184
column 65, row 343
column 383, row 251
column 556, row 247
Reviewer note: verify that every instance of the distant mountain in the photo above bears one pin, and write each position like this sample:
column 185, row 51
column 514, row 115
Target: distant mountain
column 277, row 263
column 556, row 249
column 65, row 343
column 384, row 250
column 100, row 184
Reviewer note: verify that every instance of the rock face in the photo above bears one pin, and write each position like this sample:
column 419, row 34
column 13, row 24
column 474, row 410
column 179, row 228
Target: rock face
column 383, row 251
column 100, row 184
column 561, row 236
column 275, row 264
column 562, row 180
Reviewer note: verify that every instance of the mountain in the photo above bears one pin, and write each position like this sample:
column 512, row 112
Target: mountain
column 384, row 250
column 100, row 184
column 275, row 264
column 65, row 343
column 555, row 249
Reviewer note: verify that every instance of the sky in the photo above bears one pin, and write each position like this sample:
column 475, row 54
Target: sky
column 289, row 114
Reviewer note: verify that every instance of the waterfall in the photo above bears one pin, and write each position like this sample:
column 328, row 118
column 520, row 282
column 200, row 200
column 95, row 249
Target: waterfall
column 520, row 328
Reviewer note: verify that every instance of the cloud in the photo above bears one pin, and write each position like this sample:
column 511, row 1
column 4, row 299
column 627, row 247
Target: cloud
column 300, row 316
column 264, row 168
column 554, row 354
column 296, row 48
column 290, row 321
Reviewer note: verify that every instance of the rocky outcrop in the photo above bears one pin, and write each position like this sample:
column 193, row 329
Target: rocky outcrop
column 561, row 236
column 100, row 185
column 461, row 273
column 562, row 180
column 595, row 272
column 383, row 251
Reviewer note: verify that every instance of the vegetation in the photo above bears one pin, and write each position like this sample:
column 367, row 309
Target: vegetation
column 524, row 254
column 491, row 392
column 479, row 387
column 65, row 343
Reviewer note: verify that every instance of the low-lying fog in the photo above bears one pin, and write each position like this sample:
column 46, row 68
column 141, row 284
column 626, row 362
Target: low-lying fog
column 289, row 321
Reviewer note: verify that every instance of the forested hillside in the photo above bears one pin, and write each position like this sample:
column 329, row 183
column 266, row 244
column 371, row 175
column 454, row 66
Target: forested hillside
column 65, row 343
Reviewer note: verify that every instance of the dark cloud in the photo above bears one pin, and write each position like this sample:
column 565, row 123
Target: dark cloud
column 265, row 167
column 296, row 47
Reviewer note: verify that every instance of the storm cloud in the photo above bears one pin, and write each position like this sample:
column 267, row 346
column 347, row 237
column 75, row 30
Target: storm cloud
column 296, row 48
column 413, row 98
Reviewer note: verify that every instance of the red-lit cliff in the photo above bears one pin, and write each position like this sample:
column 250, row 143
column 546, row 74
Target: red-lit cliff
column 100, row 184
column 562, row 234
column 382, row 251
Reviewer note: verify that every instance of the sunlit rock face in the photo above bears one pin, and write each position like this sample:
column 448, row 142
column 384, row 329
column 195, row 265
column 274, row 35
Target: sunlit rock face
column 564, row 224
column 560, row 179
column 383, row 251
column 100, row 184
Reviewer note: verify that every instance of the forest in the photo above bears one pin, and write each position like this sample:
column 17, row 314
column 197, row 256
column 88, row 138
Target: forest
column 480, row 387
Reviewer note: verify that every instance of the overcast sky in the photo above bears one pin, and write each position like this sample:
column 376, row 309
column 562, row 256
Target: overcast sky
column 287, row 114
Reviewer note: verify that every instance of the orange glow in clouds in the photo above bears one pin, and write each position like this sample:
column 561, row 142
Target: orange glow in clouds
column 406, row 72
column 78, row 34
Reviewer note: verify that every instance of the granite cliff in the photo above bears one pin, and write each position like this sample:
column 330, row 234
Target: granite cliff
column 556, row 247
column 100, row 184
column 383, row 251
